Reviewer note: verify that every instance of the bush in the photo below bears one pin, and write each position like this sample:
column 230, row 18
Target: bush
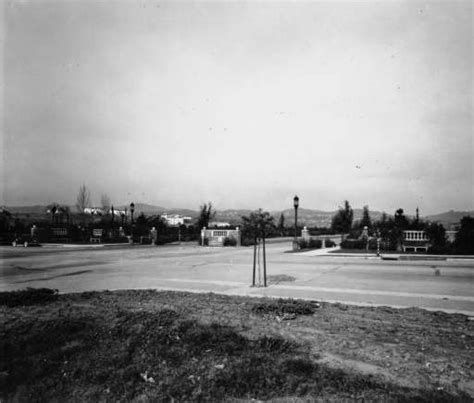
column 30, row 296
column 353, row 244
column 118, row 239
column 247, row 240
column 440, row 250
column 311, row 244
column 303, row 243
column 373, row 244
column 329, row 243
column 161, row 239
column 315, row 244
column 230, row 241
column 464, row 243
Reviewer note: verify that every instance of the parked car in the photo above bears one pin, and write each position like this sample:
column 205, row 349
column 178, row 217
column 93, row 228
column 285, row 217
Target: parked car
column 25, row 241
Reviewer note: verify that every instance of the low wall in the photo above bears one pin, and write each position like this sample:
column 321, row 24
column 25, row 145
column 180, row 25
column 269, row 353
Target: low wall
column 217, row 237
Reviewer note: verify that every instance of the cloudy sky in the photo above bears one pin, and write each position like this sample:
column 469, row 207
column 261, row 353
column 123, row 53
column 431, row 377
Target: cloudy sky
column 240, row 103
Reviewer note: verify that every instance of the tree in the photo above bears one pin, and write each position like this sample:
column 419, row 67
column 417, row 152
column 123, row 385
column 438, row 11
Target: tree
column 141, row 225
column 5, row 218
column 205, row 215
column 382, row 226
column 416, row 223
column 257, row 224
column 58, row 213
column 401, row 222
column 437, row 236
column 83, row 199
column 105, row 203
column 342, row 220
column 366, row 221
column 397, row 226
column 464, row 242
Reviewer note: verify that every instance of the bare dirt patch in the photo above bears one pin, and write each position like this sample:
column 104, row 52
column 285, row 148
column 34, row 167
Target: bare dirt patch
column 149, row 346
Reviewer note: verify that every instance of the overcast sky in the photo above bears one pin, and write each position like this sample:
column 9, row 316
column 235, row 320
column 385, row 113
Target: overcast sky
column 240, row 103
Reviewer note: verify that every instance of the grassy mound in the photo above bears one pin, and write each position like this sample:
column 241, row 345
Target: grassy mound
column 161, row 356
column 93, row 348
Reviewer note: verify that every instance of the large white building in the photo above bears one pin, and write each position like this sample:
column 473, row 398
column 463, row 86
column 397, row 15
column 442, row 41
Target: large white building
column 174, row 220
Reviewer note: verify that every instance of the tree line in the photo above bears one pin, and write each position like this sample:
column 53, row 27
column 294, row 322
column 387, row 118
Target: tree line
column 389, row 229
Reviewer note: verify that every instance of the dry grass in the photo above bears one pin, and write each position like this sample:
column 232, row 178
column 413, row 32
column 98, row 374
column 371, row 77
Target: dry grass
column 149, row 346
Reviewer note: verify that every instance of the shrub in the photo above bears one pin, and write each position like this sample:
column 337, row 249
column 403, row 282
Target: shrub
column 303, row 243
column 329, row 243
column 247, row 241
column 373, row 244
column 164, row 238
column 315, row 244
column 353, row 244
column 440, row 250
column 311, row 244
column 230, row 241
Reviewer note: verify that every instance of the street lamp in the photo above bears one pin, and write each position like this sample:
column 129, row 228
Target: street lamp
column 296, row 202
column 132, row 209
column 378, row 243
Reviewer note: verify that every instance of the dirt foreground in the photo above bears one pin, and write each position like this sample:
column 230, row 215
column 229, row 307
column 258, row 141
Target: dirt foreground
column 173, row 346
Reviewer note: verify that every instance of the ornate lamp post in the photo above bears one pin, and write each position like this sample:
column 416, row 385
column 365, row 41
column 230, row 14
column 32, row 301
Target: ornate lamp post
column 132, row 209
column 378, row 243
column 296, row 202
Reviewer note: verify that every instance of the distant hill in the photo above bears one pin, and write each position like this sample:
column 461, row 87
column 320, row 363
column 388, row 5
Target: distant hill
column 182, row 211
column 37, row 209
column 230, row 216
column 143, row 208
column 449, row 218
column 308, row 217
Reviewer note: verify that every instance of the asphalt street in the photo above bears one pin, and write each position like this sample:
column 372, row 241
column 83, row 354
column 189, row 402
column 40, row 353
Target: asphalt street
column 446, row 285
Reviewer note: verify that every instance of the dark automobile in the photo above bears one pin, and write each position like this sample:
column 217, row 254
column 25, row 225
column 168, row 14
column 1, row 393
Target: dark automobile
column 25, row 240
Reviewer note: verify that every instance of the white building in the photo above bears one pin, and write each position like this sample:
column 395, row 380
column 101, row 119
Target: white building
column 174, row 220
column 94, row 211
column 218, row 224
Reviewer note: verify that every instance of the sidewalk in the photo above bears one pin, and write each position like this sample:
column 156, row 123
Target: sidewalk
column 387, row 256
column 327, row 252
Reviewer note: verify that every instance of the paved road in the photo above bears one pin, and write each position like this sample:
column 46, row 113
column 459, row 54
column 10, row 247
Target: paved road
column 440, row 285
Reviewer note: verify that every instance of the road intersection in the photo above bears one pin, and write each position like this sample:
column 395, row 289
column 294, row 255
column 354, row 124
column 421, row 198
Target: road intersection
column 446, row 285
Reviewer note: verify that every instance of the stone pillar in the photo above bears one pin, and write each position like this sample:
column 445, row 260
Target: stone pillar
column 305, row 234
column 153, row 234
column 238, row 236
